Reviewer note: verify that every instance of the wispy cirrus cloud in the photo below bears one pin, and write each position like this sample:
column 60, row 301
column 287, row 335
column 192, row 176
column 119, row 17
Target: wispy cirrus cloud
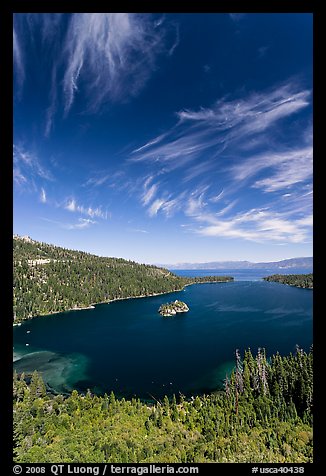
column 149, row 190
column 18, row 176
column 113, row 179
column 72, row 206
column 259, row 225
column 277, row 221
column 18, row 60
column 107, row 57
column 228, row 123
column 165, row 202
column 213, row 154
column 98, row 181
column 296, row 168
column 285, row 168
column 115, row 51
column 28, row 167
column 149, row 194
column 81, row 224
column 43, row 197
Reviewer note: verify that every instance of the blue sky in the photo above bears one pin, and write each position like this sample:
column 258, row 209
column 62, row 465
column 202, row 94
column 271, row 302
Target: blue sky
column 165, row 138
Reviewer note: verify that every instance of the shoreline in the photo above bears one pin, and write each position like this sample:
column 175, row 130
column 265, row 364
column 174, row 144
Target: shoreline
column 92, row 306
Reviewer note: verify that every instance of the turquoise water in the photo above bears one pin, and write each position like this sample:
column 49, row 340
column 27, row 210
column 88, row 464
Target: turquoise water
column 127, row 347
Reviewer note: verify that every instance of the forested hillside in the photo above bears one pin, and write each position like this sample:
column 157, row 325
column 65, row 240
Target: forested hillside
column 52, row 279
column 298, row 280
column 264, row 415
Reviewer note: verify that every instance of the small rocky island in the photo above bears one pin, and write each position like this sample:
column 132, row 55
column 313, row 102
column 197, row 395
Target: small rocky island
column 173, row 308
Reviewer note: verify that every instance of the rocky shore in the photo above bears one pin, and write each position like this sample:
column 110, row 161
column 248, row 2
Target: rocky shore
column 173, row 308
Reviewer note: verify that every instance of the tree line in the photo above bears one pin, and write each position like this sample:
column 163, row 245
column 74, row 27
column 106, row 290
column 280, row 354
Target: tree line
column 77, row 279
column 264, row 414
column 298, row 280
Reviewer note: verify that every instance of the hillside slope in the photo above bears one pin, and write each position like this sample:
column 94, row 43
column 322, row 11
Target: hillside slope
column 50, row 279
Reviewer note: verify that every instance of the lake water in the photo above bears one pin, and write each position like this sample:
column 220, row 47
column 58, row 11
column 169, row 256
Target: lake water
column 127, row 347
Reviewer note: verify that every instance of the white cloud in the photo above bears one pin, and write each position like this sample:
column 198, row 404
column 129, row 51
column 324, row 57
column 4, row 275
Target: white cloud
column 115, row 179
column 155, row 207
column 216, row 198
column 149, row 194
column 258, row 225
column 18, row 60
column 176, row 41
column 19, row 178
column 150, row 143
column 98, row 181
column 196, row 202
column 227, row 208
column 306, row 221
column 230, row 148
column 251, row 114
column 113, row 54
column 43, row 195
column 201, row 115
column 165, row 203
column 228, row 124
column 72, row 206
column 28, row 167
column 287, row 174
column 109, row 57
column 170, row 207
column 51, row 110
column 199, row 169
column 287, row 168
column 82, row 223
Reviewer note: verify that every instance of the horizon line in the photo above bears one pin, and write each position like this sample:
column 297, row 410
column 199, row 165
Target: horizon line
column 156, row 263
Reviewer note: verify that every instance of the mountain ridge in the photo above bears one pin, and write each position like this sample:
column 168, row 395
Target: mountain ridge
column 302, row 262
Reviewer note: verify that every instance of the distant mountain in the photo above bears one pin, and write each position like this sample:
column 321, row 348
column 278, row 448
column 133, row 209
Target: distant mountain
column 306, row 262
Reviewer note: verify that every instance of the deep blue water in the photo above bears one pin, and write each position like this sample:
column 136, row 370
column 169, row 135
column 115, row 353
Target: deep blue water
column 127, row 347
column 241, row 274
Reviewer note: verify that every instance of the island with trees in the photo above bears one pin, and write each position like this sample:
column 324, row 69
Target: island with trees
column 48, row 279
column 173, row 308
column 298, row 280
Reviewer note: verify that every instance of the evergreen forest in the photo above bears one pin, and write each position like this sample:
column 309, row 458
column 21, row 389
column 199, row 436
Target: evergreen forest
column 263, row 415
column 49, row 279
column 298, row 280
